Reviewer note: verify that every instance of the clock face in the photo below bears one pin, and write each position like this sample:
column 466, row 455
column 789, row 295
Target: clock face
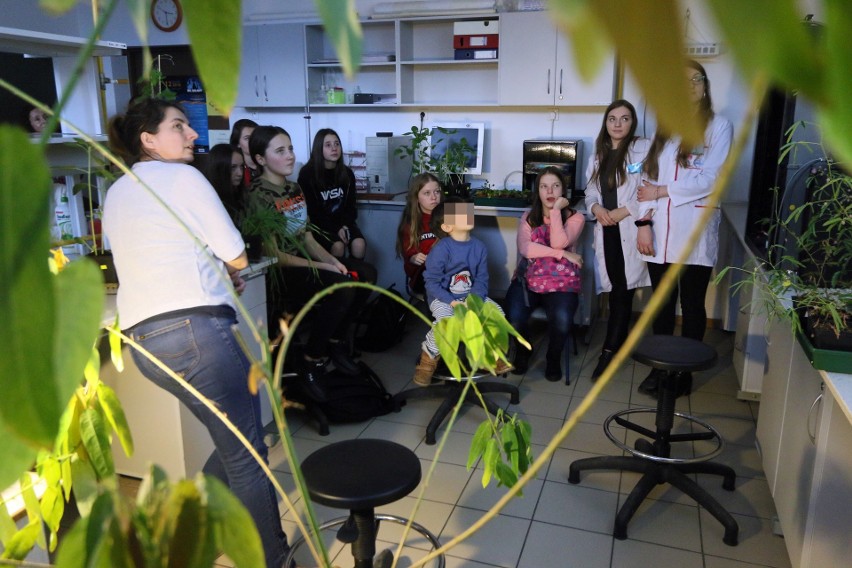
column 166, row 14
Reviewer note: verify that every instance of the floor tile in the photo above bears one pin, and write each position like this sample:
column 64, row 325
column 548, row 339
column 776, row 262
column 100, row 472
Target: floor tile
column 757, row 544
column 446, row 484
column 499, row 542
column 635, row 554
column 576, row 507
column 552, row 545
column 475, row 496
column 661, row 522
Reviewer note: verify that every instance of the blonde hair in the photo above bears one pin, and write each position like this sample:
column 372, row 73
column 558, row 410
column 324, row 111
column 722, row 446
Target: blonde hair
column 412, row 215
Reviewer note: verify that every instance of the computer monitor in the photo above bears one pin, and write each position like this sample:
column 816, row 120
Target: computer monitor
column 472, row 132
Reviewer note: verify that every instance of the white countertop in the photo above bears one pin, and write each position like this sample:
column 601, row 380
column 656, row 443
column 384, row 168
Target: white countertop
column 840, row 385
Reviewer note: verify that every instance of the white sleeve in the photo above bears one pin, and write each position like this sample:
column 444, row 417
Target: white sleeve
column 699, row 183
column 593, row 188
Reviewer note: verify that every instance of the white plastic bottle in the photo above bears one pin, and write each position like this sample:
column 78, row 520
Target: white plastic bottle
column 63, row 213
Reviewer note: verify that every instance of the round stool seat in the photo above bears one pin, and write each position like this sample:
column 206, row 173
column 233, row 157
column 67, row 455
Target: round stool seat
column 361, row 474
column 675, row 353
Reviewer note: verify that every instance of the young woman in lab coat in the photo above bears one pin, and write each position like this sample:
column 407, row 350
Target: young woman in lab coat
column 614, row 175
column 672, row 206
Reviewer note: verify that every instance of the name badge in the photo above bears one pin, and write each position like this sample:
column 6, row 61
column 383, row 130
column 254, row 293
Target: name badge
column 634, row 168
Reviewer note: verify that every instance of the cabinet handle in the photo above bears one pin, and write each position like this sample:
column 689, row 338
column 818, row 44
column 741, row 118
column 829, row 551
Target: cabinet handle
column 560, row 83
column 256, row 92
column 548, row 81
column 265, row 94
column 817, row 400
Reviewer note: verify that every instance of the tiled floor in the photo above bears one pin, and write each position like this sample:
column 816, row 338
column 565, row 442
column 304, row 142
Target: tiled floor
column 556, row 524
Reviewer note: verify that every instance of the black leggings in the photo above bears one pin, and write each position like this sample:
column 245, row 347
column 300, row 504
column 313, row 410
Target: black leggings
column 692, row 288
column 291, row 287
column 620, row 298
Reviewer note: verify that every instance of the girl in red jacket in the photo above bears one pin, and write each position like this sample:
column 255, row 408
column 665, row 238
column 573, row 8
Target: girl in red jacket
column 414, row 236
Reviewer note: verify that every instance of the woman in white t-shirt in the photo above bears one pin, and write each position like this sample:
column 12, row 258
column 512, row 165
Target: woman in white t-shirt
column 178, row 257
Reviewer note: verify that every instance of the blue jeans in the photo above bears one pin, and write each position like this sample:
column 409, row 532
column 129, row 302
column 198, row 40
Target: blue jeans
column 200, row 346
column 559, row 307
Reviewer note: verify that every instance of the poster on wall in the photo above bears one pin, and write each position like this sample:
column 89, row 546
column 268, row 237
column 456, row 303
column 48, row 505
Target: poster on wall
column 190, row 94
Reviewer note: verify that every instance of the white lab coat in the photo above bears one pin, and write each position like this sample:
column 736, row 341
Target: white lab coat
column 675, row 216
column 634, row 267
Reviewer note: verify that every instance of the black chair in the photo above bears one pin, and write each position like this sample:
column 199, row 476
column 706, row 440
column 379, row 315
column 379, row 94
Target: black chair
column 651, row 455
column 448, row 388
column 360, row 475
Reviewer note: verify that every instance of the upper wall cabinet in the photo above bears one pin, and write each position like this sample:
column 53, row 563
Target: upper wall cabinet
column 537, row 66
column 272, row 73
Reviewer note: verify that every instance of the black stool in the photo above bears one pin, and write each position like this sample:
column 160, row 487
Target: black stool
column 360, row 475
column 445, row 386
column 652, row 458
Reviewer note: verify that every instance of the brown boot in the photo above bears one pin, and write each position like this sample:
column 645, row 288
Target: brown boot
column 425, row 369
column 502, row 367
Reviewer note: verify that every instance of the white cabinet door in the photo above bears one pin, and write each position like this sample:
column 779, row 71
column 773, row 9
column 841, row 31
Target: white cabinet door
column 570, row 89
column 272, row 73
column 527, row 59
column 249, row 85
column 537, row 66
column 797, row 452
column 281, row 62
column 773, row 398
column 827, row 541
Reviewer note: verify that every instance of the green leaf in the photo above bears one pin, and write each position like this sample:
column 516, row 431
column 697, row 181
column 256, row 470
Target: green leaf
column 836, row 116
column 510, row 444
column 768, row 36
column 72, row 549
column 52, row 508
column 115, row 347
column 27, row 305
column 489, row 460
column 234, row 527
column 477, row 445
column 474, row 341
column 343, row 28
column 96, row 441
column 98, row 524
column 114, row 413
column 23, row 541
column 652, row 49
column 189, row 543
column 215, row 31
column 505, row 475
column 15, row 456
column 57, row 7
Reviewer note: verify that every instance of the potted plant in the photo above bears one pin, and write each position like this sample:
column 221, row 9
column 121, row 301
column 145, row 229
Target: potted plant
column 490, row 195
column 807, row 272
column 446, row 166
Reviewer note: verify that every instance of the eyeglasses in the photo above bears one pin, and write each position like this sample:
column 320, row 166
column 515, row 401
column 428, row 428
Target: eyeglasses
column 696, row 79
column 622, row 119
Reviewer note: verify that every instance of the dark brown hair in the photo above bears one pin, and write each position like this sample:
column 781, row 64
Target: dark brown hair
column 260, row 139
column 125, row 130
column 316, row 162
column 603, row 143
column 705, row 113
column 536, row 216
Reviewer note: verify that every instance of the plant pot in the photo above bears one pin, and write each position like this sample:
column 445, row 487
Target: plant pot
column 825, row 350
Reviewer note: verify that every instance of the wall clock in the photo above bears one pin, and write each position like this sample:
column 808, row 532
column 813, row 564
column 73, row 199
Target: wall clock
column 167, row 15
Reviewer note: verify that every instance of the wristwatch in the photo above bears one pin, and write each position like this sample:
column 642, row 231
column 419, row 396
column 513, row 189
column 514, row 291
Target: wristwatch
column 643, row 222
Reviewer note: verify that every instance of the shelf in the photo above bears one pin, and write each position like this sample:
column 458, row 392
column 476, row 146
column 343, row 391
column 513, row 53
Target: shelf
column 52, row 45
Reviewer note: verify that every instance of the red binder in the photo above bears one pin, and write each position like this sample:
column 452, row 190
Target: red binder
column 478, row 41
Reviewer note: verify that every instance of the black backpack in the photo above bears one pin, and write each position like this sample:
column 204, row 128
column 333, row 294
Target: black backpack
column 382, row 323
column 354, row 398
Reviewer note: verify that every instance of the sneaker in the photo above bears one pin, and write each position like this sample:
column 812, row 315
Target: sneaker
column 311, row 376
column 553, row 368
column 502, row 367
column 522, row 360
column 343, row 361
column 425, row 369
column 603, row 363
column 651, row 384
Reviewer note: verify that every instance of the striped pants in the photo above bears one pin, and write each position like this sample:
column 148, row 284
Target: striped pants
column 440, row 310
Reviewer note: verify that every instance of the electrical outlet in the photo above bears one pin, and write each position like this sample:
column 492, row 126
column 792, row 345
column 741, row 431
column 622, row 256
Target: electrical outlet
column 703, row 49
